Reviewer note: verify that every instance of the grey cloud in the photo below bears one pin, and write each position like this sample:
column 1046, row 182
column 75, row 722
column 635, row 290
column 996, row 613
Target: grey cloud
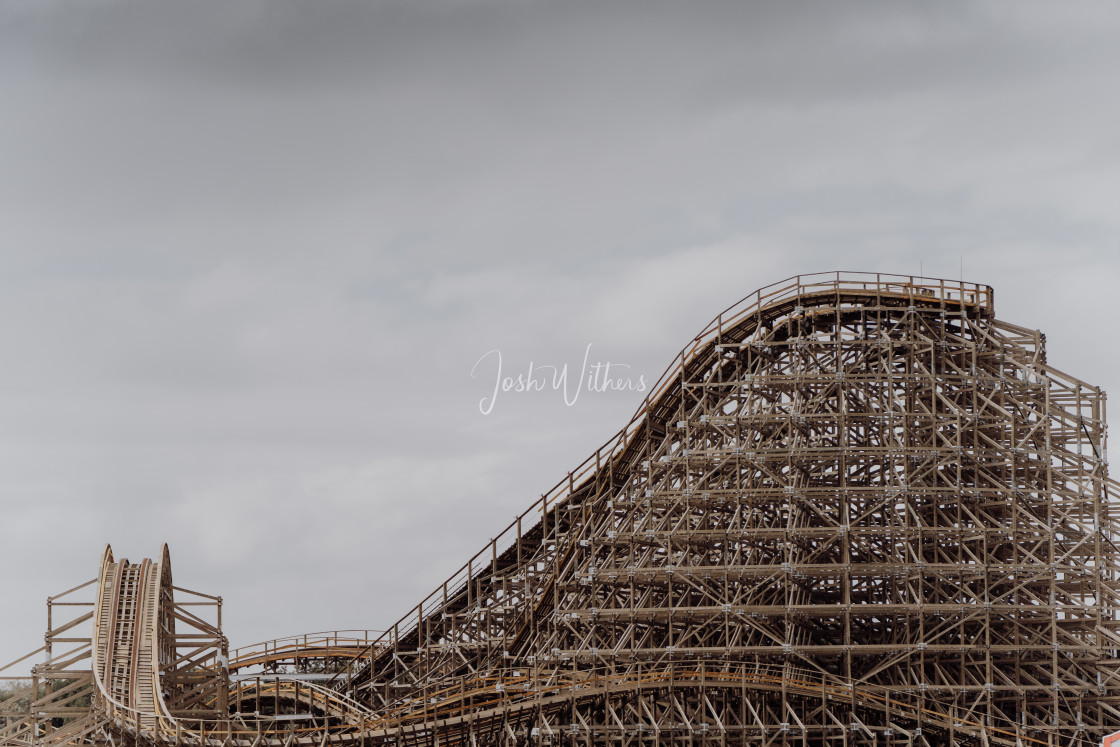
column 249, row 252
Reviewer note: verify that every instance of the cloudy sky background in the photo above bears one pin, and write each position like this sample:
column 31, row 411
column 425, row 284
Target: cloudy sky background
column 250, row 251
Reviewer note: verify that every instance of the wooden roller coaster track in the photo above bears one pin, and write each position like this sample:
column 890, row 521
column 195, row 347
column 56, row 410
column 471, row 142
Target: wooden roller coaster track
column 856, row 510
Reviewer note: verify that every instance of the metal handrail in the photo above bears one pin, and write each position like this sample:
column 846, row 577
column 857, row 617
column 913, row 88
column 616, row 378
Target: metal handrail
column 252, row 653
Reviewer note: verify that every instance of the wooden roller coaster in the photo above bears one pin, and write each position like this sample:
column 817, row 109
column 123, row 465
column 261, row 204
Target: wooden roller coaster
column 856, row 510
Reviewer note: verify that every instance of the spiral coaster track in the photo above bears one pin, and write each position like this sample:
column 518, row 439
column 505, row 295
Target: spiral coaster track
column 857, row 510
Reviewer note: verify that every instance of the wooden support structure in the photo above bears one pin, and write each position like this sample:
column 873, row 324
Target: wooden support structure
column 858, row 510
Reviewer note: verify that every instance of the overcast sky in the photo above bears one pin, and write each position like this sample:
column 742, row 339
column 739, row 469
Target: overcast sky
column 250, row 251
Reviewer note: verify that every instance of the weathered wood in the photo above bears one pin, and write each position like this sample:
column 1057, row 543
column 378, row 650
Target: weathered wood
column 858, row 510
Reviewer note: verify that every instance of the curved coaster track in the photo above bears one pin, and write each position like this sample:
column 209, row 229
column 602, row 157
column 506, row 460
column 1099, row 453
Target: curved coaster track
column 857, row 510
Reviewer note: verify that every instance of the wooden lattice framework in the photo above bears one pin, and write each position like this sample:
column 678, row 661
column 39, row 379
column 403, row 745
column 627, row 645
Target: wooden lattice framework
column 858, row 510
